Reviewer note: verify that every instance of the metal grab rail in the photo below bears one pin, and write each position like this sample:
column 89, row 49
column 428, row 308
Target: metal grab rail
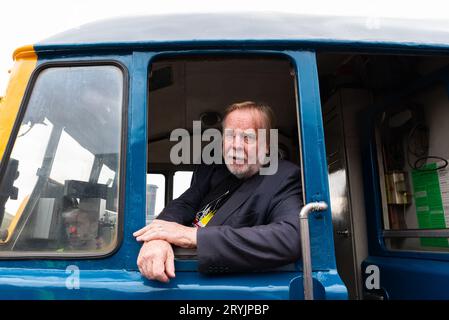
column 305, row 245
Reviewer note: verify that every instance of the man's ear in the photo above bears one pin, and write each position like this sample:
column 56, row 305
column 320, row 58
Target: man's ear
column 266, row 157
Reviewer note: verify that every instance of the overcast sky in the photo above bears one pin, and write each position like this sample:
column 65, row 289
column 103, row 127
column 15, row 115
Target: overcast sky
column 27, row 22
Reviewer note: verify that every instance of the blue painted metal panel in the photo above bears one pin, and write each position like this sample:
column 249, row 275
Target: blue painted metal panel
column 123, row 284
column 47, row 284
column 315, row 174
column 404, row 278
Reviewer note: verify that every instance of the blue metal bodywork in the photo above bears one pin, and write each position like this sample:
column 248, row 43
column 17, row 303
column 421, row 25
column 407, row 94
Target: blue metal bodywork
column 135, row 42
column 411, row 278
column 44, row 284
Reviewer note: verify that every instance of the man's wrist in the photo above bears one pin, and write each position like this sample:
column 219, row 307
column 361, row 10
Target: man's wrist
column 191, row 235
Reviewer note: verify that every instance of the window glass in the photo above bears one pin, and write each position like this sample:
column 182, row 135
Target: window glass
column 60, row 190
column 71, row 154
column 414, row 167
column 106, row 175
column 181, row 182
column 155, row 195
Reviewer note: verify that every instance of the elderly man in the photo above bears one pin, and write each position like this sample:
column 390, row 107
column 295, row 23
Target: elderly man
column 238, row 219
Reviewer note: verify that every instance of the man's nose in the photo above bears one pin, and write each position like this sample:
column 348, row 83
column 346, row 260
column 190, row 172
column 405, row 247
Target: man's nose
column 238, row 141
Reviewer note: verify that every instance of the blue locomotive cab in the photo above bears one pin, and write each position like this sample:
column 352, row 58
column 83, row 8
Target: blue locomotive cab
column 94, row 122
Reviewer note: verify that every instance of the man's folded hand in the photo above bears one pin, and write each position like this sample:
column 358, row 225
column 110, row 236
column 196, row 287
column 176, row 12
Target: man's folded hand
column 156, row 261
column 171, row 232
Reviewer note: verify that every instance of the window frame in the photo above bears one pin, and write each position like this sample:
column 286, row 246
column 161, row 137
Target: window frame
column 21, row 255
column 407, row 233
column 377, row 234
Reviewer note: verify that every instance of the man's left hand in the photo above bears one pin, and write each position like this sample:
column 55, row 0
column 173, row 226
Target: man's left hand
column 172, row 232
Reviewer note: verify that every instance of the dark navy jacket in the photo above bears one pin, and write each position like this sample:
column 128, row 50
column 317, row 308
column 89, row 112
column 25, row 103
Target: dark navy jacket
column 255, row 229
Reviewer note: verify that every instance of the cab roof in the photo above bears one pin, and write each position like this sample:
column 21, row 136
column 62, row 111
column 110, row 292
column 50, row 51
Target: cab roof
column 216, row 28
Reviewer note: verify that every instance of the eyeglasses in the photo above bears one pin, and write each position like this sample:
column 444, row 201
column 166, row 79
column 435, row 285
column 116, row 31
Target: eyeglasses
column 247, row 136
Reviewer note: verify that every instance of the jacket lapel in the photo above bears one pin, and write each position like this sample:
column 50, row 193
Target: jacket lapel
column 236, row 200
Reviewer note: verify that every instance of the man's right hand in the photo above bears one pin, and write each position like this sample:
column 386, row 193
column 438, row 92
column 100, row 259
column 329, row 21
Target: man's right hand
column 156, row 260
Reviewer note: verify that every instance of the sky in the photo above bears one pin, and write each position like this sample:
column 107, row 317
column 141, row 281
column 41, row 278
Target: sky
column 27, row 22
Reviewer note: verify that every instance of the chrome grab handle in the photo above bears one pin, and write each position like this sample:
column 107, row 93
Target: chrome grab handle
column 305, row 245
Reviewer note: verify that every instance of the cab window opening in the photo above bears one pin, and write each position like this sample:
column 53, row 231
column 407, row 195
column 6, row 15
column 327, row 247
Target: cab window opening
column 199, row 88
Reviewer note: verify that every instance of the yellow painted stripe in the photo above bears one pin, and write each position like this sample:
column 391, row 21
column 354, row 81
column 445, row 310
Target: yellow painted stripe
column 25, row 62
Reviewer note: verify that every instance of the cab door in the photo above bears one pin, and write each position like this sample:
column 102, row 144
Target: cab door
column 63, row 182
column 77, row 179
column 288, row 280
